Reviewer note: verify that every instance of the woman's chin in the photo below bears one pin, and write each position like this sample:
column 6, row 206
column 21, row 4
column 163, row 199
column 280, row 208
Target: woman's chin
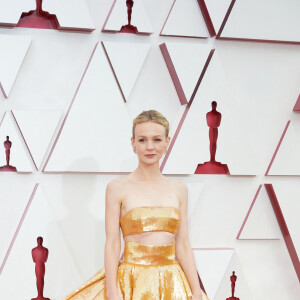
column 150, row 161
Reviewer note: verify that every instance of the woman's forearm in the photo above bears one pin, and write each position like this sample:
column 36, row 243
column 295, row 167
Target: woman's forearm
column 185, row 256
column 112, row 255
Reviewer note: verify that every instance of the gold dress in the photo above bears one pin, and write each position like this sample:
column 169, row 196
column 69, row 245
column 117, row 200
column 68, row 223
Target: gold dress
column 147, row 272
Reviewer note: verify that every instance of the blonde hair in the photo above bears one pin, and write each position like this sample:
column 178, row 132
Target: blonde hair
column 152, row 116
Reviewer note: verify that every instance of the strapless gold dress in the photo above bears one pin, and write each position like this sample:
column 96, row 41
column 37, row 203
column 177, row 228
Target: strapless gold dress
column 147, row 272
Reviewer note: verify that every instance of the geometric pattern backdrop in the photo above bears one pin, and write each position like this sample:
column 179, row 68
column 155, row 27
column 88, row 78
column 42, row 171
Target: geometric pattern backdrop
column 67, row 101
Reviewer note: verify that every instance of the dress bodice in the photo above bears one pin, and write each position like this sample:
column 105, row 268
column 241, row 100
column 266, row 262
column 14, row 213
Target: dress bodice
column 150, row 218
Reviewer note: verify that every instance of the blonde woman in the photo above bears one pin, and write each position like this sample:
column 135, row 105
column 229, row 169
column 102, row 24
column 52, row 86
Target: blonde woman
column 151, row 210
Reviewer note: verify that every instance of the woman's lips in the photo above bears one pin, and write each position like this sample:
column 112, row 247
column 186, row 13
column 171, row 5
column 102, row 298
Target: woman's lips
column 149, row 155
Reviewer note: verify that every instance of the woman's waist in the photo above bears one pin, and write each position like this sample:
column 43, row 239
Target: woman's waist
column 149, row 254
column 153, row 238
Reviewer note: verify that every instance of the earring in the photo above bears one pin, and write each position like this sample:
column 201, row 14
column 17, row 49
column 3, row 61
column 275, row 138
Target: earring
column 134, row 150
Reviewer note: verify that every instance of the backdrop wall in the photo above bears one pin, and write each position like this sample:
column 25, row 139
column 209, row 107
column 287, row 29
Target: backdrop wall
column 68, row 100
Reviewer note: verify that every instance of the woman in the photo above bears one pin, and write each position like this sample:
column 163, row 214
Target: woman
column 154, row 224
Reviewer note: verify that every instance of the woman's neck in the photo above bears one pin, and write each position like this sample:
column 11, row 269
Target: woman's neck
column 149, row 173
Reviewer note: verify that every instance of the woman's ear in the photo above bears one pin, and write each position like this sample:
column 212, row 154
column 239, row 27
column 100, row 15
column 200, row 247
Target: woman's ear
column 132, row 141
column 168, row 141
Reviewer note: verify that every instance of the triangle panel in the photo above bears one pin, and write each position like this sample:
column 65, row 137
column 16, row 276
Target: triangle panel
column 242, row 289
column 61, row 274
column 185, row 19
column 297, row 105
column 286, row 161
column 260, row 222
column 15, row 195
column 13, row 51
column 268, row 21
column 288, row 195
column 217, row 10
column 188, row 62
column 87, row 142
column 211, row 265
column 127, row 60
column 37, row 128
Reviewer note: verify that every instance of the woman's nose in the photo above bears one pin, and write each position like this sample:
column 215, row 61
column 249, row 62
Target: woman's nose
column 149, row 145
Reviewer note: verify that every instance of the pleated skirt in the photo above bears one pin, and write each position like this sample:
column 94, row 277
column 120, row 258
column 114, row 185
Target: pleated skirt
column 148, row 272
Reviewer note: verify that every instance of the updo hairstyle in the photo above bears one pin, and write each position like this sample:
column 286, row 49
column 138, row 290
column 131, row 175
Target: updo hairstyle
column 152, row 116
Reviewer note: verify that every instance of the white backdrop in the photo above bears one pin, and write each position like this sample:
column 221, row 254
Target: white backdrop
column 69, row 104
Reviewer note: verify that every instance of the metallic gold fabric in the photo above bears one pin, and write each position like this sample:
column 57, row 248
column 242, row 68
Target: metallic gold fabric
column 148, row 272
column 150, row 218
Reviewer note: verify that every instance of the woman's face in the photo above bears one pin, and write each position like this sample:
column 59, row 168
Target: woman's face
column 150, row 142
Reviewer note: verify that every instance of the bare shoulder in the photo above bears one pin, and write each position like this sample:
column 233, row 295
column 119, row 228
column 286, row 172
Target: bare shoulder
column 116, row 183
column 180, row 189
column 180, row 186
column 115, row 187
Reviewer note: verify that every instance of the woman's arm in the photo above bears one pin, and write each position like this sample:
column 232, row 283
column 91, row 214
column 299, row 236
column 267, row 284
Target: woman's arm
column 184, row 251
column 113, row 240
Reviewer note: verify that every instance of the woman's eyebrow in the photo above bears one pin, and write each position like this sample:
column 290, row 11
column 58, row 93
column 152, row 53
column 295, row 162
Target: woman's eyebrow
column 146, row 136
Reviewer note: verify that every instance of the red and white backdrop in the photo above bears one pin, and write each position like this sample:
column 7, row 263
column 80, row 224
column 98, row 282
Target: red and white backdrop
column 67, row 100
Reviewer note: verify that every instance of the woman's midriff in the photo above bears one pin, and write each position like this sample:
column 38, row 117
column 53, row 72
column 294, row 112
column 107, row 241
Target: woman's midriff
column 151, row 238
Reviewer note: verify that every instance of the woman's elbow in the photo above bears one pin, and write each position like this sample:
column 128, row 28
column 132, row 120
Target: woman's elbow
column 183, row 245
column 113, row 243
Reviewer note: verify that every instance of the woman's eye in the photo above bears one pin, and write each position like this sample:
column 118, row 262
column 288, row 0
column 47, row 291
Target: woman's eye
column 157, row 140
